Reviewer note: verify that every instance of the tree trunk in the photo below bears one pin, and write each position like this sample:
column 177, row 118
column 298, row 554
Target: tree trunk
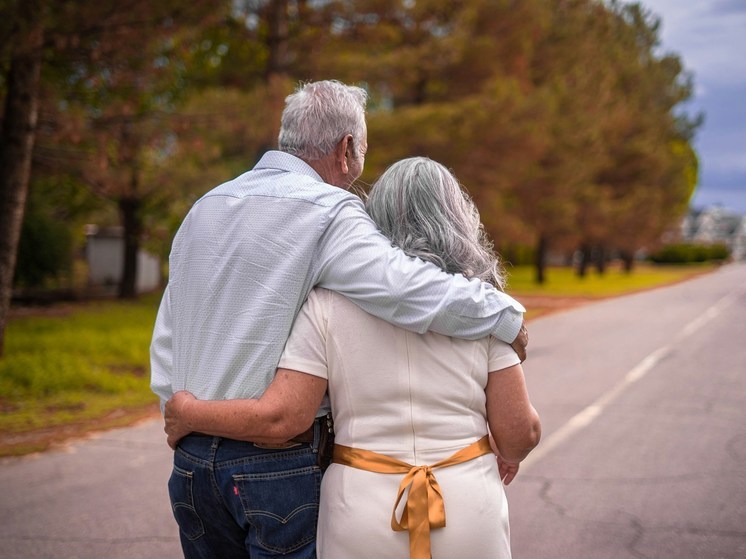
column 276, row 15
column 277, row 39
column 130, row 215
column 600, row 260
column 628, row 261
column 17, row 145
column 541, row 259
column 420, row 90
column 585, row 258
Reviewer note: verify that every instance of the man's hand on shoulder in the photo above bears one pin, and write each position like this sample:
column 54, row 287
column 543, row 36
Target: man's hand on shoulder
column 521, row 342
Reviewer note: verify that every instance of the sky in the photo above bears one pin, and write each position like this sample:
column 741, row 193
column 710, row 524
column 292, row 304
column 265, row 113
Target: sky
column 710, row 38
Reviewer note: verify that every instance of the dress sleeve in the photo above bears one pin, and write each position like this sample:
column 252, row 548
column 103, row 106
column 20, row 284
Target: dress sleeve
column 356, row 260
column 305, row 350
column 501, row 355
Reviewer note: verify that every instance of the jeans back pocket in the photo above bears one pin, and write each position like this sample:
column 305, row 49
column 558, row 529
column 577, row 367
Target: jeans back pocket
column 282, row 506
column 180, row 489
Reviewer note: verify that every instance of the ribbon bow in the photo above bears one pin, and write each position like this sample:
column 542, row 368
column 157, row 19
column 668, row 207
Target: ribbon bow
column 424, row 508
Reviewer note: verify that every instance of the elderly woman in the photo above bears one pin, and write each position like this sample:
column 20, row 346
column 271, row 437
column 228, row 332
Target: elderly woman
column 413, row 412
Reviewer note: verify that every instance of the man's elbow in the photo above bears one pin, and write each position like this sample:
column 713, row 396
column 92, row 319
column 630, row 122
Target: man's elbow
column 288, row 425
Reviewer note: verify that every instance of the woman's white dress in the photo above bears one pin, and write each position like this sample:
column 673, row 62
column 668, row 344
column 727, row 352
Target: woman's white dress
column 415, row 397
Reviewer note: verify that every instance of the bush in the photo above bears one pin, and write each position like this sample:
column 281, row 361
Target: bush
column 683, row 253
column 44, row 251
column 719, row 252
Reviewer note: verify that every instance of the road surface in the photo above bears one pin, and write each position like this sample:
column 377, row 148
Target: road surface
column 643, row 403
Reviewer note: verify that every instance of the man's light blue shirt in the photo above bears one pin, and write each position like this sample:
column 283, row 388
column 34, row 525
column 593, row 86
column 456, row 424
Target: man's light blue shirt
column 249, row 252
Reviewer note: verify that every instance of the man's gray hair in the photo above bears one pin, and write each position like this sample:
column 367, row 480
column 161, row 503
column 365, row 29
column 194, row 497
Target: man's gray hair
column 421, row 207
column 318, row 115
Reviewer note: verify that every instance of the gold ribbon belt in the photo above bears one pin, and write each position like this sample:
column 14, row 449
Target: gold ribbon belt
column 424, row 505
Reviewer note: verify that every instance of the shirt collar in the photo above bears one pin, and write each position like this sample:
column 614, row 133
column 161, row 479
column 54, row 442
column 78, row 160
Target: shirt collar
column 286, row 162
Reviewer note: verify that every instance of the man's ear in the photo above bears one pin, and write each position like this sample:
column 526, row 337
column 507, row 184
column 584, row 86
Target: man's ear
column 343, row 151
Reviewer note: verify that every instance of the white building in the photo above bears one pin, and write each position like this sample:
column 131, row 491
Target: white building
column 716, row 225
column 104, row 253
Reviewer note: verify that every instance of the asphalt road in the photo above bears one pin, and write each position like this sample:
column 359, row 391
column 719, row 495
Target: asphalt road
column 643, row 403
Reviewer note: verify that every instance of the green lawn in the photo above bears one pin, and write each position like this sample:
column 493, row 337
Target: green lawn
column 564, row 282
column 87, row 365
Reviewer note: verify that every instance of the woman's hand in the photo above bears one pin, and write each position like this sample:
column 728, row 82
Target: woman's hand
column 176, row 427
column 508, row 470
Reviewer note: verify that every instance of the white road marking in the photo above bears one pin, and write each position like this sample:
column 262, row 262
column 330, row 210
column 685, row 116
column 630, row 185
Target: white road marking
column 590, row 413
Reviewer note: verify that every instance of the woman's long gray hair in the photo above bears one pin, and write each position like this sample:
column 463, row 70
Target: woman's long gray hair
column 421, row 207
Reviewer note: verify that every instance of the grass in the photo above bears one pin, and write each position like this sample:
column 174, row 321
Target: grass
column 83, row 367
column 564, row 289
column 564, row 282
column 87, row 366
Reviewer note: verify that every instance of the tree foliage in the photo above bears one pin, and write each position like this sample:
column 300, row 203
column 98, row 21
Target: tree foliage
column 562, row 118
column 118, row 77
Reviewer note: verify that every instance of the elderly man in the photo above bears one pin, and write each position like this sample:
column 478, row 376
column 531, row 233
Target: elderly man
column 241, row 266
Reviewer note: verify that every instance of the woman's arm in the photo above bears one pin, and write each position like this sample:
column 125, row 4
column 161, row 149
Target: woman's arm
column 513, row 421
column 286, row 408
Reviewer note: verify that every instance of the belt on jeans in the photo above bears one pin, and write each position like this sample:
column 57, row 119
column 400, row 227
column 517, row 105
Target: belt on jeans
column 304, row 437
column 307, row 435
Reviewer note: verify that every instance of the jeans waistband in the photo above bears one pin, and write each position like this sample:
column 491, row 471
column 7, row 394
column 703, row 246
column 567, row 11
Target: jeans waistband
column 310, row 436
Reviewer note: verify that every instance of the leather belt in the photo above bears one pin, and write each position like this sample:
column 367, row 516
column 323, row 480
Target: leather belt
column 307, row 435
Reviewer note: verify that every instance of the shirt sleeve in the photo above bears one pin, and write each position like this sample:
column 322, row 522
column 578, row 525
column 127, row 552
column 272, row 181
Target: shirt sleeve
column 357, row 261
column 305, row 350
column 161, row 352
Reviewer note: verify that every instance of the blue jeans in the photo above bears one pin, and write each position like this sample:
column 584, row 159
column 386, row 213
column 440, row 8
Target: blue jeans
column 234, row 499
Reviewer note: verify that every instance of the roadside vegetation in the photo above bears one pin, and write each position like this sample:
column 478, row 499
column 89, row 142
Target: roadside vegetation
column 78, row 367
column 73, row 368
column 564, row 282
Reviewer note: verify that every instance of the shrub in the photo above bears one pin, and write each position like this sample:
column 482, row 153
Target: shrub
column 44, row 251
column 682, row 253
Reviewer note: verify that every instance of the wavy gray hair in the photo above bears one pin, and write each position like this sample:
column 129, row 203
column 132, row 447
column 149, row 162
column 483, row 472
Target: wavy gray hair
column 318, row 115
column 421, row 207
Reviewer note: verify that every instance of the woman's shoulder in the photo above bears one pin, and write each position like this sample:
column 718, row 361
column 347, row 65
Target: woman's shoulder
column 342, row 313
column 327, row 301
column 326, row 297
